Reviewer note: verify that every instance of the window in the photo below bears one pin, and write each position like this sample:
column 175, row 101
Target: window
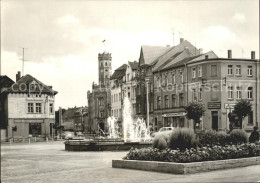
column 158, row 102
column 214, row 93
column 51, row 108
column 230, row 69
column 239, row 92
column 101, row 64
column 238, row 70
column 120, row 97
column 139, row 107
column 112, row 98
column 250, row 93
column 181, row 77
column 249, row 70
column 199, row 71
column 250, row 118
column 105, row 64
column 194, row 72
column 101, row 101
column 213, row 70
column 166, row 99
column 158, row 83
column 200, row 94
column 139, row 90
column 101, row 114
column 181, row 99
column 112, row 113
column 30, row 107
column 35, row 129
column 173, row 79
column 128, row 77
column 38, row 107
column 174, row 100
column 194, row 95
column 230, row 92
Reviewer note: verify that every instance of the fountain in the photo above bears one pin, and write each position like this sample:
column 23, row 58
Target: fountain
column 134, row 130
column 135, row 134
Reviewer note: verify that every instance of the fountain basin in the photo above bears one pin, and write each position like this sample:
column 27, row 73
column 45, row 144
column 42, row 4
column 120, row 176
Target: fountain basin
column 101, row 145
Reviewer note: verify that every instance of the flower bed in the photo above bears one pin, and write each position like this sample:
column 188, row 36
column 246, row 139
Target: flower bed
column 195, row 154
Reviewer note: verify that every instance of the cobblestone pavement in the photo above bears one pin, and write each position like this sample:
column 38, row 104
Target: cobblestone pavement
column 49, row 162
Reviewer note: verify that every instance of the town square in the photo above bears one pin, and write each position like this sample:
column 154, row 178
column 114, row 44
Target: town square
column 130, row 91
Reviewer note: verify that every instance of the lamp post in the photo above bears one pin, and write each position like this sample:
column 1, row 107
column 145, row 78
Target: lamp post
column 147, row 101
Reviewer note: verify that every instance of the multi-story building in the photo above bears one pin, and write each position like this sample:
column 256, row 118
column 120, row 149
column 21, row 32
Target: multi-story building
column 5, row 82
column 148, row 58
column 170, row 86
column 28, row 107
column 219, row 83
column 99, row 104
column 117, row 84
column 130, row 84
column 73, row 119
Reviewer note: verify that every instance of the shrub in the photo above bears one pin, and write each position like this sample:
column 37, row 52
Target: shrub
column 195, row 154
column 207, row 138
column 238, row 136
column 222, row 138
column 182, row 138
column 160, row 141
column 211, row 138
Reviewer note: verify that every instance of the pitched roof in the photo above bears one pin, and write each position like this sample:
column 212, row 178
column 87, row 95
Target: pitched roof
column 134, row 65
column 5, row 81
column 28, row 84
column 119, row 72
column 210, row 54
column 185, row 45
column 149, row 54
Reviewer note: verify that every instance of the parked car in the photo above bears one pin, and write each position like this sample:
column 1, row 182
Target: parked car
column 163, row 130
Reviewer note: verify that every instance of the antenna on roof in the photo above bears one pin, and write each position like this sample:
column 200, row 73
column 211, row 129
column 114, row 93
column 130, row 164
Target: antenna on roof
column 173, row 36
column 195, row 49
column 23, row 61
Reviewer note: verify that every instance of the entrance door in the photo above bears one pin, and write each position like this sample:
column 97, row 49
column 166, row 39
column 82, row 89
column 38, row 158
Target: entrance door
column 214, row 117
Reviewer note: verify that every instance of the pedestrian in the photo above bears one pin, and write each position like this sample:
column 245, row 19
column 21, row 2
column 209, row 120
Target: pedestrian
column 254, row 137
column 94, row 133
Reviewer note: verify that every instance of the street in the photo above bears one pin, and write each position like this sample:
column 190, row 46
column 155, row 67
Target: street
column 47, row 162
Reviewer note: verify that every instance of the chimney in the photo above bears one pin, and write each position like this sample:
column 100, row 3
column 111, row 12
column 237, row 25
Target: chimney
column 200, row 51
column 181, row 40
column 252, row 54
column 230, row 54
column 50, row 87
column 18, row 75
column 206, row 57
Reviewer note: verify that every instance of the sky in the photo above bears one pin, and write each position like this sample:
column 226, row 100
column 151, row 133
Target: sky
column 62, row 39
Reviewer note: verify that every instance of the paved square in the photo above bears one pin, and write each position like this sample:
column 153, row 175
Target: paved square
column 47, row 162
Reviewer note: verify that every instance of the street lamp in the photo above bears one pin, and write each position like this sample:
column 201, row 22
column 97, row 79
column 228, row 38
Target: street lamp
column 147, row 101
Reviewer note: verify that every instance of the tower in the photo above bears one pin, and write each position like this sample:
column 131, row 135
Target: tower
column 104, row 68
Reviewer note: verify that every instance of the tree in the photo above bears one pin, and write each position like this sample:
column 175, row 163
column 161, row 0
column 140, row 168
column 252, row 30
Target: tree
column 242, row 109
column 194, row 111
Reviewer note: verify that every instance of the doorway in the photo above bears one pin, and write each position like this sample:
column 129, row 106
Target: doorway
column 214, row 117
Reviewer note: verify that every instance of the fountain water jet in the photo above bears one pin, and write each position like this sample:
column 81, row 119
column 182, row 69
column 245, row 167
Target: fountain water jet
column 134, row 130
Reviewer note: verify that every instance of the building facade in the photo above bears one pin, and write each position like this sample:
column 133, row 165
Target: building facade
column 29, row 108
column 99, row 99
column 73, row 119
column 170, row 86
column 219, row 83
column 117, row 82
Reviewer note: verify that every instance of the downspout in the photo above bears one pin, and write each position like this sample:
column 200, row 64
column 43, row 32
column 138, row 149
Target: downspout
column 257, row 92
column 187, row 87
